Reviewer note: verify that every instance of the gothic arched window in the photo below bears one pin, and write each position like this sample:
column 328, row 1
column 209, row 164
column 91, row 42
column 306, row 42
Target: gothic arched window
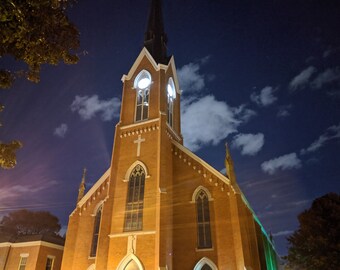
column 171, row 95
column 95, row 235
column 142, row 85
column 203, row 220
column 135, row 200
column 206, row 267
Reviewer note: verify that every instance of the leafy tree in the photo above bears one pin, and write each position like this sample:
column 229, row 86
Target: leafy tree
column 25, row 222
column 33, row 32
column 315, row 245
column 7, row 154
column 36, row 32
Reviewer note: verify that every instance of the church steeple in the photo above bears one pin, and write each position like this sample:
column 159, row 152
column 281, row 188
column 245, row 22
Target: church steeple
column 81, row 190
column 155, row 37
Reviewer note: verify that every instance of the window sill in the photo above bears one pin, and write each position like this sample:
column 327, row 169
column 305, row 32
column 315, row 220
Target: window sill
column 204, row 249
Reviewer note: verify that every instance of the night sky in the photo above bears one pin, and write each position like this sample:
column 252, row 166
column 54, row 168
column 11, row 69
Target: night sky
column 263, row 76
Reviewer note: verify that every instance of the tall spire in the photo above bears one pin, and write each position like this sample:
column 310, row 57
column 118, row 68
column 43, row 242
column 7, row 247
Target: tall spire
column 229, row 165
column 81, row 190
column 155, row 39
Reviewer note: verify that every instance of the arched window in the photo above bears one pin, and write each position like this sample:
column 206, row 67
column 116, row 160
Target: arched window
column 135, row 200
column 171, row 95
column 206, row 267
column 142, row 85
column 95, row 235
column 203, row 220
column 130, row 262
column 132, row 265
column 205, row 264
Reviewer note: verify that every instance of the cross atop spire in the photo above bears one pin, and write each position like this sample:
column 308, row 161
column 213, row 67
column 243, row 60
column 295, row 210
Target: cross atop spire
column 155, row 38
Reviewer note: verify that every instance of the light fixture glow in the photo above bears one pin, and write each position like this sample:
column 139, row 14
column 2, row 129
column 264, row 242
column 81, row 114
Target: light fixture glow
column 143, row 83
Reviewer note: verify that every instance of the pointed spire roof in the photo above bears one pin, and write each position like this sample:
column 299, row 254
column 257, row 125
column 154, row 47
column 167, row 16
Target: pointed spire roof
column 229, row 165
column 81, row 190
column 155, row 37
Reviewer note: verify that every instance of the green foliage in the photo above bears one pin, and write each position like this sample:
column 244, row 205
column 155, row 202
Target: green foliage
column 25, row 222
column 315, row 245
column 36, row 32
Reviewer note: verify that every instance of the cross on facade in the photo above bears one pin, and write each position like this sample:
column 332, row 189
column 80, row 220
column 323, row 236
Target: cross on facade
column 139, row 141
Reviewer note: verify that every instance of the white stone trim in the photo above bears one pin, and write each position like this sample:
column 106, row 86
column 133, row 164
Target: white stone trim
column 173, row 132
column 200, row 161
column 127, row 259
column 139, row 123
column 98, row 205
column 92, row 267
column 36, row 243
column 51, row 257
column 24, row 255
column 94, row 188
column 157, row 67
column 5, row 244
column 193, row 198
column 129, row 170
column 126, row 234
column 204, row 261
column 174, row 73
column 144, row 52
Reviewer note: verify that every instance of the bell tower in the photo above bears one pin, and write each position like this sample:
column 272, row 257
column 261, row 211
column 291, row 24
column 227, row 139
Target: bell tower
column 140, row 196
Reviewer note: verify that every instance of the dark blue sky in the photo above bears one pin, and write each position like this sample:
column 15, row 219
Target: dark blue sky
column 267, row 73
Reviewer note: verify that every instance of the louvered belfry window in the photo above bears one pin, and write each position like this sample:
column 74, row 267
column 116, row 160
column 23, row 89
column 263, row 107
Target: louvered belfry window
column 135, row 200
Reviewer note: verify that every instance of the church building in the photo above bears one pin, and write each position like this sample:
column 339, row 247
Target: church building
column 159, row 206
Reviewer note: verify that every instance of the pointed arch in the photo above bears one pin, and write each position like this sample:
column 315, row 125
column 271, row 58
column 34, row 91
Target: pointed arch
column 98, row 207
column 133, row 165
column 204, row 240
column 205, row 261
column 135, row 200
column 96, row 228
column 130, row 258
column 92, row 267
column 197, row 190
column 142, row 85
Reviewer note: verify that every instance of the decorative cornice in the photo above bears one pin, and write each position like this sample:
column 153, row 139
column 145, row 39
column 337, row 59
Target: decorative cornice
column 126, row 234
column 172, row 134
column 32, row 243
column 139, row 128
column 201, row 167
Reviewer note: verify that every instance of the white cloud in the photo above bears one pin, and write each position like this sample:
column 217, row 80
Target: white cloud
column 332, row 132
column 208, row 121
column 265, row 97
column 301, row 80
column 243, row 113
column 326, row 77
column 285, row 162
column 87, row 107
column 282, row 233
column 250, row 144
column 284, row 111
column 9, row 192
column 61, row 130
column 190, row 78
